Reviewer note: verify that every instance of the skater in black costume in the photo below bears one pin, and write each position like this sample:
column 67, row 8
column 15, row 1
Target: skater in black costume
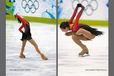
column 26, row 36
column 79, row 31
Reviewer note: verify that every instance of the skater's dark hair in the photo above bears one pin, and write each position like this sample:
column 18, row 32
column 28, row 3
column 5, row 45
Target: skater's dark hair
column 92, row 30
column 19, row 21
column 63, row 25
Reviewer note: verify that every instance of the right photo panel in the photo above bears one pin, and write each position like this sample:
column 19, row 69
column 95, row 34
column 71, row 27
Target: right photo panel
column 83, row 37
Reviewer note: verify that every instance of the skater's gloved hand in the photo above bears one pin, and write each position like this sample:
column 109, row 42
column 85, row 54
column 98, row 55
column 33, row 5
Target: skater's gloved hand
column 79, row 5
column 15, row 15
column 68, row 33
column 22, row 32
column 23, row 35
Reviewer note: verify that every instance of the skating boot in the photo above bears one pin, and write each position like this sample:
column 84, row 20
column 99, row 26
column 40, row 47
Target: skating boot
column 84, row 53
column 44, row 57
column 22, row 56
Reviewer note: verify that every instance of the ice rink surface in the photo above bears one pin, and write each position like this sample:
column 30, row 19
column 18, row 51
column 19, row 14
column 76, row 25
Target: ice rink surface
column 70, row 64
column 32, row 65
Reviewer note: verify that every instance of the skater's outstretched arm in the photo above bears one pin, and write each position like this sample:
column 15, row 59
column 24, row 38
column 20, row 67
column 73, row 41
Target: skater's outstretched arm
column 74, row 14
column 77, row 19
column 68, row 33
column 37, row 49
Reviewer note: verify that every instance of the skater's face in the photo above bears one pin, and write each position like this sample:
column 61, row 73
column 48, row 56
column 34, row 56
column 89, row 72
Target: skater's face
column 19, row 21
column 65, row 30
column 64, row 26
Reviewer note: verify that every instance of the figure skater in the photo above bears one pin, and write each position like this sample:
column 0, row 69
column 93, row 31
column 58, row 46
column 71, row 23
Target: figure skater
column 26, row 36
column 79, row 31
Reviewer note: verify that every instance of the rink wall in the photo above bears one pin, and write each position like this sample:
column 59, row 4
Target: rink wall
column 32, row 8
column 33, row 19
column 94, row 9
column 95, row 13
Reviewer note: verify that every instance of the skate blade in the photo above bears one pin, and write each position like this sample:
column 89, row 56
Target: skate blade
column 84, row 55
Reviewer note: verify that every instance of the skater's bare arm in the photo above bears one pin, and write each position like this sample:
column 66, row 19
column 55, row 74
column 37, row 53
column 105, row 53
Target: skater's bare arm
column 68, row 33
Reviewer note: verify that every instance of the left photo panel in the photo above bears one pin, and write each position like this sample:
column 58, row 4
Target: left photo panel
column 30, row 38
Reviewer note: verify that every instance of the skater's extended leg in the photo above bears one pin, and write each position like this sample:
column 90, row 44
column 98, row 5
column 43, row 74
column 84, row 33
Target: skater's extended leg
column 22, row 49
column 37, row 49
column 85, row 33
column 35, row 45
column 77, row 41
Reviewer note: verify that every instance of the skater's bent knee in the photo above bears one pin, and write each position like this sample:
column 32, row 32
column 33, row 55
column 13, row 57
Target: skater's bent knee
column 80, row 31
column 92, row 37
column 74, row 37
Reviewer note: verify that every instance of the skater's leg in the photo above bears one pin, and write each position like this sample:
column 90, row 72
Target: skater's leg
column 22, row 49
column 85, row 33
column 81, row 37
column 37, row 49
column 77, row 41
column 35, row 45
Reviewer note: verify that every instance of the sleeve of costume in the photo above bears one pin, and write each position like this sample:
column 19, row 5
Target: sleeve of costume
column 77, row 19
column 74, row 14
column 20, row 29
column 22, row 20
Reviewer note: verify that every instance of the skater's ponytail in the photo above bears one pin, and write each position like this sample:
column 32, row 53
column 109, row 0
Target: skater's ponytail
column 19, row 21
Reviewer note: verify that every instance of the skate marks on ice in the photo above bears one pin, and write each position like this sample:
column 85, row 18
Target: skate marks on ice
column 32, row 65
column 70, row 64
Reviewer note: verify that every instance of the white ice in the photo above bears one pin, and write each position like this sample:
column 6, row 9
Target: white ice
column 70, row 64
column 32, row 65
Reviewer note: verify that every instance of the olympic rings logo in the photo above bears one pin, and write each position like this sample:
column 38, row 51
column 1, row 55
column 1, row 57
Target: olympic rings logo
column 30, row 5
column 90, row 5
